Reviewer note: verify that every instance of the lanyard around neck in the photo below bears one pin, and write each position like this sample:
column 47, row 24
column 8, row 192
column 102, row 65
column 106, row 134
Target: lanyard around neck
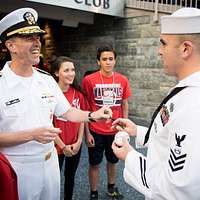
column 101, row 76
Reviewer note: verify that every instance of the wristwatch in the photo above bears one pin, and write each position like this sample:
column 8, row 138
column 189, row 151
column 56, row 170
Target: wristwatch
column 90, row 117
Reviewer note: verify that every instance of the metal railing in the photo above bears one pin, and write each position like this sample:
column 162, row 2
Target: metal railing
column 161, row 6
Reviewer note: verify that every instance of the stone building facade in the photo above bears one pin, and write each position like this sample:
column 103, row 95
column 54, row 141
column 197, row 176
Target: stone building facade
column 136, row 40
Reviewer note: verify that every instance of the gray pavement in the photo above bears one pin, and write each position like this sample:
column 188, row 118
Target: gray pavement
column 81, row 190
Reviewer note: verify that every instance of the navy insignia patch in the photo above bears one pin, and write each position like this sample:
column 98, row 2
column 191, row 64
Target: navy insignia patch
column 179, row 139
column 164, row 114
column 177, row 158
column 29, row 17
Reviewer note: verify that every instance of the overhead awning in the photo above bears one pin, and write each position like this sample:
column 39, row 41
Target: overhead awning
column 108, row 7
column 70, row 12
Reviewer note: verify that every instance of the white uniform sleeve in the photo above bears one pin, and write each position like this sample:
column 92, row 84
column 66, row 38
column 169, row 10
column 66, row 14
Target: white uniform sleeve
column 175, row 174
column 135, row 172
column 141, row 132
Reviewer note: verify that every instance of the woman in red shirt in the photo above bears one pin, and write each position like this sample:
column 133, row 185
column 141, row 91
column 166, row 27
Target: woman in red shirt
column 70, row 140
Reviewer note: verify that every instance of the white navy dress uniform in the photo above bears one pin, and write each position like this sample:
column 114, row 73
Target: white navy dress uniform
column 170, row 171
column 28, row 103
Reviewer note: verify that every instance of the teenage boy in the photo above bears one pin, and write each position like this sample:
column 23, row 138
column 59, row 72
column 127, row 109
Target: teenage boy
column 105, row 87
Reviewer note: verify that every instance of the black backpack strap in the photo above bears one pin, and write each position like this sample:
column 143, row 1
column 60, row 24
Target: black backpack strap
column 167, row 98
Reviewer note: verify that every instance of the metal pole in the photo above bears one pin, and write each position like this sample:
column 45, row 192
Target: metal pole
column 155, row 17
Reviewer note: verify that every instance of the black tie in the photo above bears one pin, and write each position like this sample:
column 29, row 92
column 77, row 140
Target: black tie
column 164, row 101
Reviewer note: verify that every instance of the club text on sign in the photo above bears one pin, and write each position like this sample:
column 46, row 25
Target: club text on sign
column 96, row 3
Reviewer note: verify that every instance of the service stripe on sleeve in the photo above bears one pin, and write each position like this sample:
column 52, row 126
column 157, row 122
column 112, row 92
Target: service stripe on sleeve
column 143, row 171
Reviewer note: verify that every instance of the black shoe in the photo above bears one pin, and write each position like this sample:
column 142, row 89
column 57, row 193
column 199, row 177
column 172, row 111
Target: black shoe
column 94, row 195
column 114, row 193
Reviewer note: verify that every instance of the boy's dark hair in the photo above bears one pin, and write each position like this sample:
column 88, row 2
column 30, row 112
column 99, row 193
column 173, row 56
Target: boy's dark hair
column 55, row 66
column 105, row 48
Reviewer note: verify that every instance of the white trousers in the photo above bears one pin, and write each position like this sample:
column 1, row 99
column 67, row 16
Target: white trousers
column 37, row 180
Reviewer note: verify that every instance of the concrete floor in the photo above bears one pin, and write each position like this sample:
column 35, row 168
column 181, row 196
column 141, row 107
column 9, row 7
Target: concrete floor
column 81, row 190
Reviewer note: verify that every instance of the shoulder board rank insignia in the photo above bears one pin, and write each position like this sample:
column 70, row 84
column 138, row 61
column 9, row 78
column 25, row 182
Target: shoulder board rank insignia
column 1, row 74
column 42, row 71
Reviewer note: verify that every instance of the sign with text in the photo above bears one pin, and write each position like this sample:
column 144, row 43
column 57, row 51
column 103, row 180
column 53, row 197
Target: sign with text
column 108, row 7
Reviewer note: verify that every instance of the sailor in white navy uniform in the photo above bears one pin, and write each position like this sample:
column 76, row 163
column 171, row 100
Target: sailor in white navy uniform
column 170, row 170
column 28, row 101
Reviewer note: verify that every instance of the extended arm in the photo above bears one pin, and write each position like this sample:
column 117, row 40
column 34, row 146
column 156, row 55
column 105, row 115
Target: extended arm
column 76, row 115
column 42, row 135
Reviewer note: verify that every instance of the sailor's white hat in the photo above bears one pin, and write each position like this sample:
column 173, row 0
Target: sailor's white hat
column 22, row 21
column 182, row 21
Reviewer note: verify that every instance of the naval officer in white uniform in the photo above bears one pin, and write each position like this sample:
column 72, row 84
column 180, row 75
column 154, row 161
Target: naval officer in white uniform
column 28, row 100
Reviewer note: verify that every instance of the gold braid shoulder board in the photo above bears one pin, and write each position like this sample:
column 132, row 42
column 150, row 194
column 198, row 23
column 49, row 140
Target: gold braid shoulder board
column 42, row 71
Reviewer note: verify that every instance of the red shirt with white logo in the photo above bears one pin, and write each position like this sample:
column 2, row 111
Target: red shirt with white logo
column 69, row 129
column 111, row 91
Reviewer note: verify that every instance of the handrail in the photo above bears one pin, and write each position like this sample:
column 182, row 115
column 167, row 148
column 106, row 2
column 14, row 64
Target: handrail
column 161, row 6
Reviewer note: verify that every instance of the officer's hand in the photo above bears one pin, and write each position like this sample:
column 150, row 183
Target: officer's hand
column 122, row 124
column 122, row 151
column 45, row 135
column 103, row 113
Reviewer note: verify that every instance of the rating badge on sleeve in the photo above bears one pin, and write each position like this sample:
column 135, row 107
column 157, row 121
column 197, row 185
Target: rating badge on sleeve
column 177, row 156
